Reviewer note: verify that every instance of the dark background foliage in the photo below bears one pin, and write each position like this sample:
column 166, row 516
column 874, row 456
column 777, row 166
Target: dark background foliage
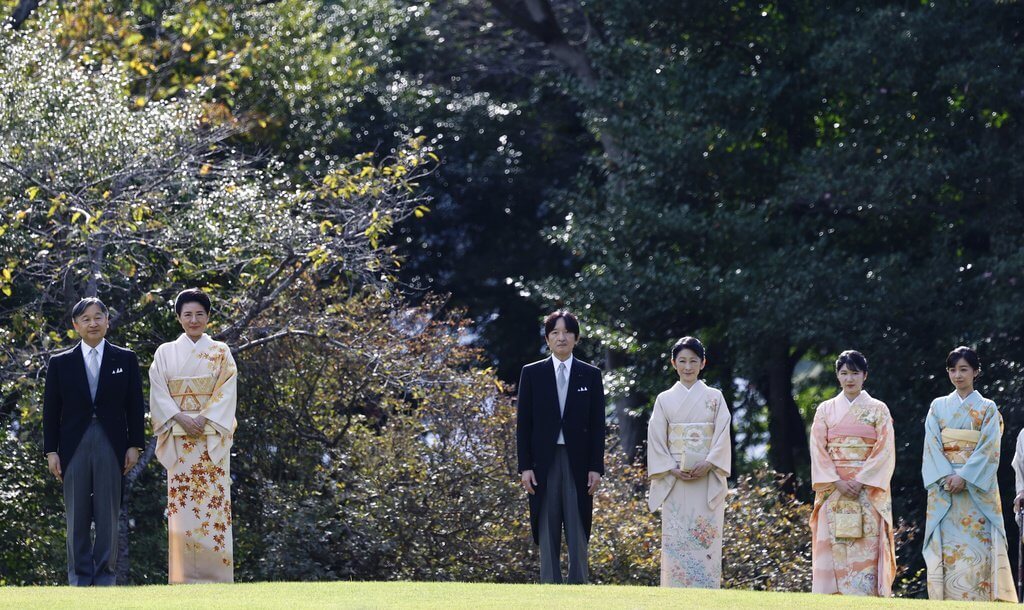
column 785, row 180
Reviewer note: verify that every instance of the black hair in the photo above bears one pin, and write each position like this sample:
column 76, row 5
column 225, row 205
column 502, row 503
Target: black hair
column 572, row 325
column 853, row 360
column 963, row 353
column 191, row 295
column 86, row 303
column 690, row 343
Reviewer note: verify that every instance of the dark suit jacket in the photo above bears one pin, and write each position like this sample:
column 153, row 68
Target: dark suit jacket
column 68, row 408
column 539, row 420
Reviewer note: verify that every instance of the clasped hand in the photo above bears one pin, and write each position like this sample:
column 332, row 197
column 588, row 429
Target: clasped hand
column 955, row 483
column 194, row 426
column 700, row 470
column 850, row 489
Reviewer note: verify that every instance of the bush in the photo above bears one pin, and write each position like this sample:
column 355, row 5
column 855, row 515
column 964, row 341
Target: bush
column 767, row 544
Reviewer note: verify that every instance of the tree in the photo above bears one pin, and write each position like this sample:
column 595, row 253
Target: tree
column 82, row 217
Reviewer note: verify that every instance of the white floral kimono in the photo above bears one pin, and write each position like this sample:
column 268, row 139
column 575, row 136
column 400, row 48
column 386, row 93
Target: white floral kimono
column 198, row 379
column 688, row 426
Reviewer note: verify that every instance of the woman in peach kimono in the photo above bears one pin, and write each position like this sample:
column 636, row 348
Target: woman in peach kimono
column 964, row 538
column 853, row 456
column 689, row 457
column 192, row 402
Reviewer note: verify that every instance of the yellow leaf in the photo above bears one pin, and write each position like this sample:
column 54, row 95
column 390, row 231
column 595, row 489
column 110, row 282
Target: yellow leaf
column 205, row 169
column 140, row 101
column 186, row 47
column 32, row 191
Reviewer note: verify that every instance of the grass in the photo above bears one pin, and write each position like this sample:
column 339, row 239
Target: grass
column 444, row 596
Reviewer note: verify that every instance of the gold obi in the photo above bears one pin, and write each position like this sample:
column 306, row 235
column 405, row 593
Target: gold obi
column 191, row 395
column 690, row 443
column 848, row 450
column 959, row 444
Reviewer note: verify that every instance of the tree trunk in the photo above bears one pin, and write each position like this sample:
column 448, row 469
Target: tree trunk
column 22, row 12
column 632, row 428
column 538, row 19
column 788, row 451
column 123, row 519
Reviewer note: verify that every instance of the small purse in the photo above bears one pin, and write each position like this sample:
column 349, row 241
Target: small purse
column 849, row 518
column 689, row 459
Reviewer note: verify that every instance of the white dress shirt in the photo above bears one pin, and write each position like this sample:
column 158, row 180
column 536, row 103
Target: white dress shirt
column 555, row 362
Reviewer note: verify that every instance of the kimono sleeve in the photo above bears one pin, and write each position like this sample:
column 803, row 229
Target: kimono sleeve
column 881, row 462
column 1018, row 463
column 659, row 458
column 934, row 465
column 720, row 455
column 162, row 407
column 823, row 469
column 980, row 468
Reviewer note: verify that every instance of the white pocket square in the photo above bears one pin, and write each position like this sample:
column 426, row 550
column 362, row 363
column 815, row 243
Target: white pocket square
column 117, row 371
column 582, row 389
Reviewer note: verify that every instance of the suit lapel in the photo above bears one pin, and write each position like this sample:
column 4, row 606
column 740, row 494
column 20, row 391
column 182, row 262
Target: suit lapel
column 77, row 364
column 575, row 383
column 106, row 366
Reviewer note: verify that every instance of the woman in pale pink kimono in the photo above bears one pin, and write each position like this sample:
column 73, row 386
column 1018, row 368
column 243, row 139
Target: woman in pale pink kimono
column 192, row 402
column 853, row 456
column 688, row 460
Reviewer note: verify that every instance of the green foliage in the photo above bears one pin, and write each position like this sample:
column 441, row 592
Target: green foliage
column 801, row 179
column 625, row 546
column 29, row 498
column 386, row 456
column 767, row 539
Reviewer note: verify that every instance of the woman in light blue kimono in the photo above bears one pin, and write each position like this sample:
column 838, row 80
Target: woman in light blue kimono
column 964, row 540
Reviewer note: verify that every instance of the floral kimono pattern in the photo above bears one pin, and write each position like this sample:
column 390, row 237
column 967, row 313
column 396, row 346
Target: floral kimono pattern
column 852, row 442
column 197, row 379
column 689, row 426
column 964, row 541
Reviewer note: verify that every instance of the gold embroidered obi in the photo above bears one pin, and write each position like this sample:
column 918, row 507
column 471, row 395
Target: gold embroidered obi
column 959, row 444
column 850, row 444
column 690, row 443
column 191, row 395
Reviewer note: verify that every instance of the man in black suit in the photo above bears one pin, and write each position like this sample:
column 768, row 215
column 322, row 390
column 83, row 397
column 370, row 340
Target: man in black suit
column 560, row 441
column 92, row 434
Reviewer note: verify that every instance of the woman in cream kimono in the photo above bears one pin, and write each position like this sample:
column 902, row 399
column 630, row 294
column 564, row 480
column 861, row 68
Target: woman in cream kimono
column 688, row 459
column 192, row 402
column 964, row 539
column 853, row 455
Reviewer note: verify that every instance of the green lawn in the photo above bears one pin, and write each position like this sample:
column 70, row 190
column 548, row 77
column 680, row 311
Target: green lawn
column 446, row 596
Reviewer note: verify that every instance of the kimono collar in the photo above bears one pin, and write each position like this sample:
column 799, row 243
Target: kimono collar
column 961, row 401
column 862, row 396
column 679, row 387
column 203, row 341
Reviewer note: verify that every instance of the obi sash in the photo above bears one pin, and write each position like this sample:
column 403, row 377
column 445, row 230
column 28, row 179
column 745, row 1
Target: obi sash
column 850, row 444
column 690, row 443
column 958, row 444
column 191, row 395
